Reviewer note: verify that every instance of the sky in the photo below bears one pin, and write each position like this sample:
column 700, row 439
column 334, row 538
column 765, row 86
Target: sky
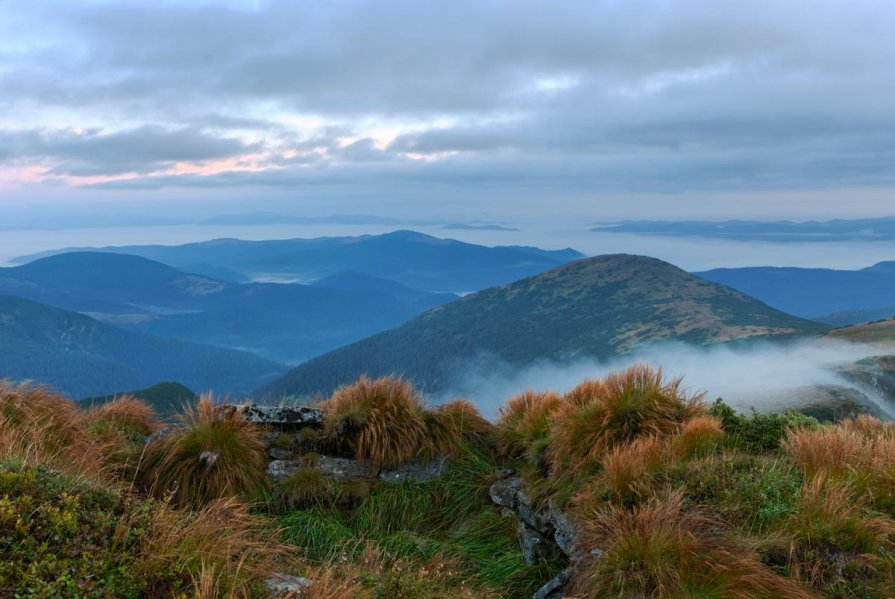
column 474, row 109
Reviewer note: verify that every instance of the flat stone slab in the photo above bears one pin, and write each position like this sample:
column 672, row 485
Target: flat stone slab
column 347, row 468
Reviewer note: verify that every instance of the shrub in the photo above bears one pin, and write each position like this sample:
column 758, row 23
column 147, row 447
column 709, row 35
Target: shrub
column 661, row 550
column 754, row 493
column 634, row 402
column 523, row 423
column 380, row 421
column 213, row 453
column 758, row 433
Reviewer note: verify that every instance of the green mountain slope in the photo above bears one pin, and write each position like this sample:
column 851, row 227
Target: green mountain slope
column 596, row 307
column 84, row 357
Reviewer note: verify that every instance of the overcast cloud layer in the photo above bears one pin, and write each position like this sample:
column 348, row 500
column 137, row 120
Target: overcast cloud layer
column 763, row 108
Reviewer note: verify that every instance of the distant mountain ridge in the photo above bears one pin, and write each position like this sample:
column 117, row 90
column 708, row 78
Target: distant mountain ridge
column 834, row 296
column 594, row 307
column 867, row 229
column 84, row 357
column 413, row 259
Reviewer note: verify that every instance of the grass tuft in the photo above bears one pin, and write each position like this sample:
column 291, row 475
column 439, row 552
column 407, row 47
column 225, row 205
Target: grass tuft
column 213, row 453
column 381, row 421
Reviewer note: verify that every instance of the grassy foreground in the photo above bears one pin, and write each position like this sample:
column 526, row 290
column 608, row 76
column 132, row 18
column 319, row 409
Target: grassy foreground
column 681, row 498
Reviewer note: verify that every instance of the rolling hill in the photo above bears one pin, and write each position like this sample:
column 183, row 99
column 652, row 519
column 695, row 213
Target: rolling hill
column 282, row 322
column 595, row 307
column 84, row 357
column 412, row 259
column 833, row 296
column 881, row 332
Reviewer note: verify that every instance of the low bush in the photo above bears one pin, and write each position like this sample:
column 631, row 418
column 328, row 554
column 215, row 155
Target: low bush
column 758, row 433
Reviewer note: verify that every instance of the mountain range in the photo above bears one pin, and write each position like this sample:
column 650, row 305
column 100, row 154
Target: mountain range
column 595, row 308
column 282, row 322
column 84, row 357
column 837, row 297
column 413, row 259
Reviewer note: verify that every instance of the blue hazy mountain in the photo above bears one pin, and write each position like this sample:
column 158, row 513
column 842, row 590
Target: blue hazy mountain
column 361, row 283
column 413, row 259
column 282, row 322
column 82, row 357
column 836, row 296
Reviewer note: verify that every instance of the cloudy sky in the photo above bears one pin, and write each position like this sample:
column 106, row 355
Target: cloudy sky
column 474, row 108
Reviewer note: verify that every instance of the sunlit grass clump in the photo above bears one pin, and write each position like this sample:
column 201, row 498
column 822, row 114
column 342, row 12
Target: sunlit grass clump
column 661, row 549
column 596, row 416
column 385, row 423
column 212, row 453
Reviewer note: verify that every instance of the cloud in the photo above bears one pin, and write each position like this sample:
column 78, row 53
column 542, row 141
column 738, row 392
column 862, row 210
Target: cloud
column 144, row 149
column 654, row 96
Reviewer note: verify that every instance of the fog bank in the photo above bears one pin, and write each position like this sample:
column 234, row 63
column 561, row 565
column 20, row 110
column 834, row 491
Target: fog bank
column 753, row 376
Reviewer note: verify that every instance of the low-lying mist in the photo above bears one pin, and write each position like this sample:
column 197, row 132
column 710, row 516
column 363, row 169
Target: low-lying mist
column 761, row 375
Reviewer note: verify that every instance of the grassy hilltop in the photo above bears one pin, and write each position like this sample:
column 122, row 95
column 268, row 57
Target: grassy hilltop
column 669, row 496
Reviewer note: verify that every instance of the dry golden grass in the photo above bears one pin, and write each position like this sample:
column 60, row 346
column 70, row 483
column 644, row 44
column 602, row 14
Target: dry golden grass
column 829, row 449
column 627, row 469
column 127, row 412
column 700, row 436
column 381, row 421
column 38, row 426
column 598, row 416
column 834, row 532
column 524, row 420
column 469, row 421
column 213, row 453
column 661, row 550
column 222, row 548
column 868, row 426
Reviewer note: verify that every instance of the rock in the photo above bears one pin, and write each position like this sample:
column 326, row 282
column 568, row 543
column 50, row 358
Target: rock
column 563, row 531
column 284, row 584
column 530, row 541
column 279, row 454
column 553, row 588
column 415, row 472
column 503, row 492
column 162, row 432
column 283, row 468
column 280, row 415
column 342, row 467
column 208, row 458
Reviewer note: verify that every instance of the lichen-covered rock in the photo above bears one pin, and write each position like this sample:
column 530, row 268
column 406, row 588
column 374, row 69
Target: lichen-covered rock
column 503, row 492
column 415, row 472
column 280, row 454
column 284, row 584
column 162, row 432
column 553, row 588
column 283, row 416
column 530, row 541
column 342, row 468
